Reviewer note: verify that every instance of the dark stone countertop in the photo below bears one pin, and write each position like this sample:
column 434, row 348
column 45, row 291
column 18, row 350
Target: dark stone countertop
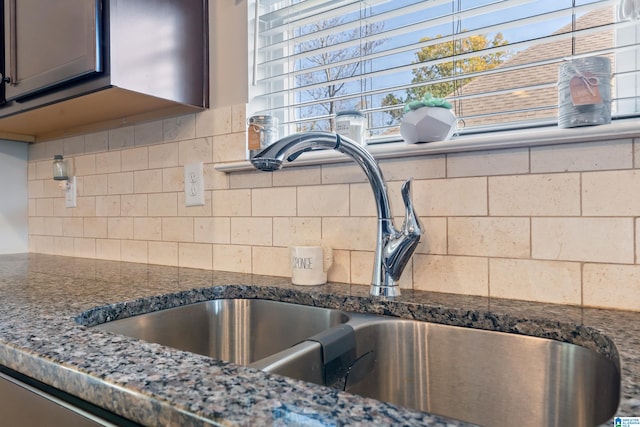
column 47, row 301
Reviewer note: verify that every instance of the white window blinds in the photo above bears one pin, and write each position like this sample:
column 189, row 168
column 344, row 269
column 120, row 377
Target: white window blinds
column 496, row 61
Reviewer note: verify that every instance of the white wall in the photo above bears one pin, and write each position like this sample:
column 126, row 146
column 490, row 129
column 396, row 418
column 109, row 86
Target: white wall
column 14, row 212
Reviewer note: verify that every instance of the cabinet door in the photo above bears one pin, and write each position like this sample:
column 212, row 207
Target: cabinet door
column 50, row 43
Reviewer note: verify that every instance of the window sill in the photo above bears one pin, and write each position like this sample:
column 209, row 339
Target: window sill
column 620, row 129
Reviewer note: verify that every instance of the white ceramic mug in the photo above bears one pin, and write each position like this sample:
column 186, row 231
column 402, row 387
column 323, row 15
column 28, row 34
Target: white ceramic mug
column 309, row 265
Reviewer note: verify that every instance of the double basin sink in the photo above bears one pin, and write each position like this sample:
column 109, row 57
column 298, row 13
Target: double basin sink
column 482, row 377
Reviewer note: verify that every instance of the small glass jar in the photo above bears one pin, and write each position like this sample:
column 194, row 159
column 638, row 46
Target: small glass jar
column 262, row 132
column 59, row 168
column 352, row 124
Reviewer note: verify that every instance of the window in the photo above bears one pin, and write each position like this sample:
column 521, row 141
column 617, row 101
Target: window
column 496, row 61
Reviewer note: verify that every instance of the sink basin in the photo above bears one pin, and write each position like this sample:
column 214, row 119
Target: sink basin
column 482, row 377
column 242, row 331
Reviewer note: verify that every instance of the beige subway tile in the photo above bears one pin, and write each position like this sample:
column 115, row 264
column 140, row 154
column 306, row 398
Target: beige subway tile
column 93, row 185
column 234, row 258
column 450, row 197
column 120, row 183
column 73, row 146
column 612, row 193
column 108, row 162
column 229, row 147
column 95, row 228
column 271, row 261
column 239, row 118
column 554, row 282
column 31, row 168
column 361, row 267
column 45, row 245
column 204, row 123
column 53, row 226
column 173, row 179
column 582, row 156
column 342, row 173
column 583, row 239
column 424, row 167
column 490, row 162
column 214, row 179
column 147, row 228
column 179, row 128
column 108, row 249
column 611, row 286
column 358, row 234
column 195, row 255
column 497, row 237
column 60, row 209
column 340, row 270
column 36, row 152
column 63, row 245
column 44, row 169
column 203, row 210
column 85, row 206
column 231, row 202
column 135, row 159
column 636, row 153
column 251, row 231
column 96, row 142
column 134, row 251
column 120, row 138
column 31, row 207
column 195, row 151
column 292, row 231
column 133, row 205
column 451, row 274
column 223, row 120
column 148, row 133
column 85, row 165
column 73, row 227
column 53, row 188
column 84, row 248
column 44, row 207
column 251, row 179
column 35, row 189
column 323, row 200
column 36, row 225
column 177, row 229
column 309, row 175
column 535, row 195
column 51, row 148
column 163, row 155
column 361, row 200
column 212, row 230
column 149, row 181
column 279, row 201
column 162, row 204
column 108, row 206
column 120, row 228
column 163, row 253
column 434, row 236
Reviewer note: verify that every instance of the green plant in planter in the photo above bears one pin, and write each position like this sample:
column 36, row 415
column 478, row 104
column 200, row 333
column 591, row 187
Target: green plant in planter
column 427, row 101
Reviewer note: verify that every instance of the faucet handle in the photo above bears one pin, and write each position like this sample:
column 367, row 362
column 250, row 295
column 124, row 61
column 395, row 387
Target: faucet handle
column 411, row 223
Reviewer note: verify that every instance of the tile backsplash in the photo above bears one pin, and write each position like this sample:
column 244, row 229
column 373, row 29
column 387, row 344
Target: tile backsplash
column 553, row 223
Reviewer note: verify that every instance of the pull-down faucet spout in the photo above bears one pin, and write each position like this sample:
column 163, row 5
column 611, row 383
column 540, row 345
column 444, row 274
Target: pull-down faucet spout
column 394, row 247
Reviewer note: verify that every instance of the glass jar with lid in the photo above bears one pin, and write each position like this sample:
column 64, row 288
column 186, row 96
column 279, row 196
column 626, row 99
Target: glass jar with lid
column 262, row 132
column 352, row 124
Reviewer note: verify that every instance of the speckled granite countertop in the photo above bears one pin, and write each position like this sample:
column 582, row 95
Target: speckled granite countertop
column 46, row 300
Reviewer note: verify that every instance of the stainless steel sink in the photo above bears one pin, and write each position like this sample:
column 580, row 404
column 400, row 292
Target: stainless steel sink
column 482, row 377
column 235, row 330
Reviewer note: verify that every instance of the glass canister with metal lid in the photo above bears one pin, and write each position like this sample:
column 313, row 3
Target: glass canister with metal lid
column 352, row 124
column 262, row 132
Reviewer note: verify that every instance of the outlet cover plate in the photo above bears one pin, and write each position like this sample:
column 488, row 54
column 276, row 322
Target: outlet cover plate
column 70, row 200
column 193, row 185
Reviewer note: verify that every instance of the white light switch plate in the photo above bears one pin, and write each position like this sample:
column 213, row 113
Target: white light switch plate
column 193, row 185
column 70, row 193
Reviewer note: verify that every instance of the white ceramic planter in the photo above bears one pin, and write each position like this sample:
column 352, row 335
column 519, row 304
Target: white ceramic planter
column 428, row 124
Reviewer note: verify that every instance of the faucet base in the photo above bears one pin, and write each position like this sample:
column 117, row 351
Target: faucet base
column 384, row 291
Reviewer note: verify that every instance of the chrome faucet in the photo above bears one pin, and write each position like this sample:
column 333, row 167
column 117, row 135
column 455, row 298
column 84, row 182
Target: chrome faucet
column 394, row 247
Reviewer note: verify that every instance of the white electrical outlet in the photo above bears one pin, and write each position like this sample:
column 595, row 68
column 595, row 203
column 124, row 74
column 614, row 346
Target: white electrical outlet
column 70, row 193
column 193, row 185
